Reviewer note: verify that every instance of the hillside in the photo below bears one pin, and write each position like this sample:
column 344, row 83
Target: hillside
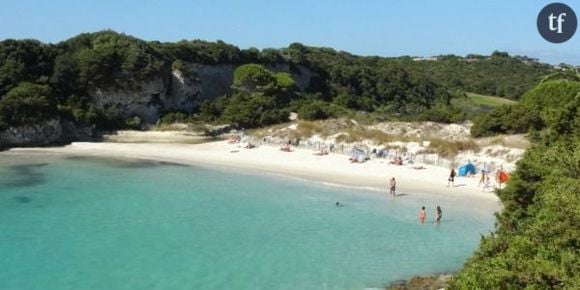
column 107, row 80
column 498, row 74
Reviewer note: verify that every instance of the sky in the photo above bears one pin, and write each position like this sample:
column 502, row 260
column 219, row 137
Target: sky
column 364, row 27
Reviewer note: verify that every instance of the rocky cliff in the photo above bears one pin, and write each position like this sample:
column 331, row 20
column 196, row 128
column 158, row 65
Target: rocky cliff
column 51, row 132
column 173, row 90
column 36, row 135
column 180, row 90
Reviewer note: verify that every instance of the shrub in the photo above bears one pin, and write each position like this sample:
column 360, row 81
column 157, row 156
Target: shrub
column 175, row 117
column 512, row 119
column 451, row 148
column 442, row 114
column 133, row 123
column 27, row 104
column 314, row 110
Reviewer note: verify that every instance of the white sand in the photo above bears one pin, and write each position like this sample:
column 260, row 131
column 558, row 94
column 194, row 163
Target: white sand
column 333, row 168
column 131, row 136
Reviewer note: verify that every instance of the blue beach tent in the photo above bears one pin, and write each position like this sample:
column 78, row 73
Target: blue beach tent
column 468, row 168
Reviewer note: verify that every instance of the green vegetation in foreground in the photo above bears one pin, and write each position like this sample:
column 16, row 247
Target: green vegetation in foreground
column 537, row 240
column 490, row 101
column 372, row 88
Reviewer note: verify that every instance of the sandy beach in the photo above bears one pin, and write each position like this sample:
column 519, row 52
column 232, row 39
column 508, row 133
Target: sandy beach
column 333, row 168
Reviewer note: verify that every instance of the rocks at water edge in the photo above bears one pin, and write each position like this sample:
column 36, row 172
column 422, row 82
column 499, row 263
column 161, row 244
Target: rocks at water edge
column 422, row 283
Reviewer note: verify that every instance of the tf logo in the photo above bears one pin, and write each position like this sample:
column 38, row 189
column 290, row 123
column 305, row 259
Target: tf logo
column 557, row 22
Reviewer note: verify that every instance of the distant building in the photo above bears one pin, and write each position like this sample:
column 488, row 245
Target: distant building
column 432, row 58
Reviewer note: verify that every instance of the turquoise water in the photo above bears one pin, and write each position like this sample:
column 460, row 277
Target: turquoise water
column 81, row 223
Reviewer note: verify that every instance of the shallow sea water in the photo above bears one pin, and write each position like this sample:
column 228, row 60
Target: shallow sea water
column 86, row 223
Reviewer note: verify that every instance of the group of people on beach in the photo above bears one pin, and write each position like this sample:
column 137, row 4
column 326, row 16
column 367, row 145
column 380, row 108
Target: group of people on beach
column 423, row 214
column 501, row 176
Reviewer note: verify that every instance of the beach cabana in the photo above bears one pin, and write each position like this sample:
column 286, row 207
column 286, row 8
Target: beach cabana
column 358, row 155
column 467, row 168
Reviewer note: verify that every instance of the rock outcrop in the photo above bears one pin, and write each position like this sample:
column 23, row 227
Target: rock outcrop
column 180, row 90
column 32, row 135
column 144, row 100
column 51, row 132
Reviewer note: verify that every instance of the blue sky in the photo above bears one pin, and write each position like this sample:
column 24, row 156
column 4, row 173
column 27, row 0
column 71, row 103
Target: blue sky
column 371, row 27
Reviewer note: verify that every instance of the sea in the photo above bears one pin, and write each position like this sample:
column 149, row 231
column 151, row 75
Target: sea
column 79, row 222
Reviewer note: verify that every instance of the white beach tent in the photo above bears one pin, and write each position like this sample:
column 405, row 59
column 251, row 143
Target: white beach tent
column 358, row 154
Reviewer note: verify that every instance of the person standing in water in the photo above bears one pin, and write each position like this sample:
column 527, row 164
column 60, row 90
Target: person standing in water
column 451, row 179
column 422, row 215
column 438, row 214
column 393, row 184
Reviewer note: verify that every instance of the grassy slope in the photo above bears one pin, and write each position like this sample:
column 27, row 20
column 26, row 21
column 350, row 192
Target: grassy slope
column 490, row 101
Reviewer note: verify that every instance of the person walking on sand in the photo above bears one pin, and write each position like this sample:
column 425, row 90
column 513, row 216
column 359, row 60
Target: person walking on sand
column 438, row 214
column 393, row 184
column 483, row 175
column 487, row 184
column 482, row 178
column 422, row 215
column 451, row 179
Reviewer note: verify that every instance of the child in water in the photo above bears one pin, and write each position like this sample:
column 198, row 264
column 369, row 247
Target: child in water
column 422, row 215
column 438, row 214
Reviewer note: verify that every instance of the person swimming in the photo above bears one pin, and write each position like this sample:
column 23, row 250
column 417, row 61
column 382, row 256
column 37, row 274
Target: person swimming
column 422, row 215
column 438, row 214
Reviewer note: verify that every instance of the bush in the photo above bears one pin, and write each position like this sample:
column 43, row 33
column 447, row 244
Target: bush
column 442, row 114
column 314, row 110
column 27, row 104
column 548, row 97
column 175, row 117
column 507, row 119
column 133, row 123
column 210, row 111
column 451, row 148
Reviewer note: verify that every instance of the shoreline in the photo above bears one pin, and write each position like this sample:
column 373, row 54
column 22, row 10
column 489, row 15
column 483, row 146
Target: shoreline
column 331, row 170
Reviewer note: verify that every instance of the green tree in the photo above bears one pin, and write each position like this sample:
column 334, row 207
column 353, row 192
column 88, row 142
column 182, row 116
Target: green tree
column 253, row 77
column 10, row 74
column 313, row 110
column 252, row 110
column 539, row 107
column 27, row 104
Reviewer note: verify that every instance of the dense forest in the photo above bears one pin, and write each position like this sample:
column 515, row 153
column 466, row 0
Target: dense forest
column 536, row 244
column 41, row 81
